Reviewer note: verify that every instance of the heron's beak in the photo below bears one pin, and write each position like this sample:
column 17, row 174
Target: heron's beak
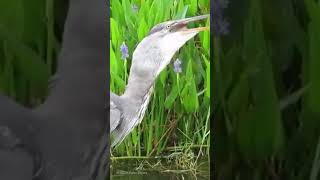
column 181, row 24
column 179, row 34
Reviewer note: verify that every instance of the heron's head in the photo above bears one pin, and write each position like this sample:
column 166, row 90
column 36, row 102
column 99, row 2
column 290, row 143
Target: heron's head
column 164, row 40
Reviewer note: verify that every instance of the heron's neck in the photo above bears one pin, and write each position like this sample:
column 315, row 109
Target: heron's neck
column 138, row 87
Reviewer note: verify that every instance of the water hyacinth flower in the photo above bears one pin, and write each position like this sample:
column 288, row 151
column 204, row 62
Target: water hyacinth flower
column 124, row 51
column 177, row 66
column 134, row 8
column 220, row 24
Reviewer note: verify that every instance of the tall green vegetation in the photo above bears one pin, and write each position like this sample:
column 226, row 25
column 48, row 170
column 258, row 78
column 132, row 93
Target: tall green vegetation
column 267, row 117
column 28, row 47
column 177, row 118
column 178, row 115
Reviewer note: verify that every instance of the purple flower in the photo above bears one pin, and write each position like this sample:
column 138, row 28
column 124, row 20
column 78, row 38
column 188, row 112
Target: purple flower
column 135, row 8
column 220, row 24
column 124, row 51
column 177, row 66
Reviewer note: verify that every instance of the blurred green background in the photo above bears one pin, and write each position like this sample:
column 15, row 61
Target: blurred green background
column 30, row 38
column 177, row 122
column 266, row 74
column 267, row 91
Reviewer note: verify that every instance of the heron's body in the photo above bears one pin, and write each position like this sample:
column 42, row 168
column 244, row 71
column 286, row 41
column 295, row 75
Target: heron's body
column 150, row 57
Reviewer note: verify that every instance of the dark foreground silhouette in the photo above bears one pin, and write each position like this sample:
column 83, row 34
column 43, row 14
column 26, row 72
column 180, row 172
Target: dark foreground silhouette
column 67, row 136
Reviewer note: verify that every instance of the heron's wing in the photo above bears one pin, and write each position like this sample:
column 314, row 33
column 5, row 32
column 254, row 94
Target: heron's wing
column 130, row 119
column 114, row 116
column 115, row 113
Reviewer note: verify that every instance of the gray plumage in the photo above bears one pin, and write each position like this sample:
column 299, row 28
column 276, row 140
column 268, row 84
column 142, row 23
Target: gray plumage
column 150, row 57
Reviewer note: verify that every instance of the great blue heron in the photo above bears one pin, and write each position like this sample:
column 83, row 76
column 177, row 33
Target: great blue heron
column 150, row 57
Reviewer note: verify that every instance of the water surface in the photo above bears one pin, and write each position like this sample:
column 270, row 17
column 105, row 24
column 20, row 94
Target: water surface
column 157, row 170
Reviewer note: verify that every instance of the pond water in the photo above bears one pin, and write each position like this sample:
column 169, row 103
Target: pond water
column 157, row 176
column 157, row 170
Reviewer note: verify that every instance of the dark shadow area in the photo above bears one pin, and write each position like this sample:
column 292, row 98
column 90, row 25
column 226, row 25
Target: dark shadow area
column 66, row 136
column 266, row 88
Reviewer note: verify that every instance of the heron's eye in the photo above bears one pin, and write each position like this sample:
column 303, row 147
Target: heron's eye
column 168, row 26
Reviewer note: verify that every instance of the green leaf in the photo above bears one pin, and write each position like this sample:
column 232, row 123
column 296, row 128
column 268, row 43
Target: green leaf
column 171, row 97
column 193, row 7
column 113, row 62
column 142, row 30
column 314, row 41
column 163, row 77
column 114, row 33
column 117, row 12
column 27, row 61
column 151, row 14
column 8, row 76
column 238, row 99
column 182, row 13
column 259, row 131
column 205, row 38
column 34, row 24
column 189, row 95
column 207, row 78
column 13, row 21
column 121, row 84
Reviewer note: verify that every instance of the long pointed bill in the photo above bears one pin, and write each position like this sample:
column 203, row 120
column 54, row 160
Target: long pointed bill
column 182, row 24
column 198, row 29
column 193, row 19
column 177, row 36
